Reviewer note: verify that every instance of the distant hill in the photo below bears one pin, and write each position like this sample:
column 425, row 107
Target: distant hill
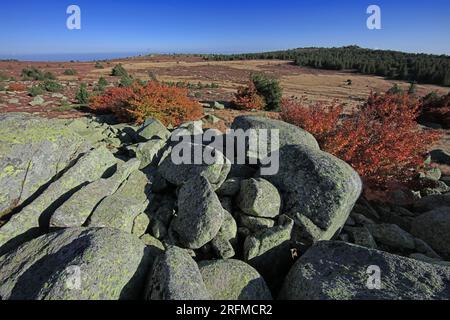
column 421, row 68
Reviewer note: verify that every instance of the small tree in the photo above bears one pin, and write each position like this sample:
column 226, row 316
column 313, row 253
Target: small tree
column 101, row 84
column 270, row 89
column 36, row 91
column 82, row 95
column 70, row 72
column 119, row 71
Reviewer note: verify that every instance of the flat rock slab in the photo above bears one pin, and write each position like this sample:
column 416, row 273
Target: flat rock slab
column 341, row 271
column 121, row 208
column 76, row 264
column 25, row 224
column 33, row 150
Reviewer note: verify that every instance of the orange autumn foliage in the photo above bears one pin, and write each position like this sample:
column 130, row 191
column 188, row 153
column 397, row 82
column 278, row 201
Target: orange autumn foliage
column 13, row 87
column 380, row 140
column 170, row 105
column 247, row 98
column 317, row 118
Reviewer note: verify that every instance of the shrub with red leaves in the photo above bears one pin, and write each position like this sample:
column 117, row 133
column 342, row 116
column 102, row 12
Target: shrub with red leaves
column 170, row 105
column 380, row 140
column 247, row 98
column 317, row 118
column 17, row 87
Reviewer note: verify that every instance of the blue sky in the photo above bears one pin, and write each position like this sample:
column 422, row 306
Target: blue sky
column 39, row 27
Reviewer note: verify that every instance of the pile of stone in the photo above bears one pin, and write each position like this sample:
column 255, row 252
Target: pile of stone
column 91, row 210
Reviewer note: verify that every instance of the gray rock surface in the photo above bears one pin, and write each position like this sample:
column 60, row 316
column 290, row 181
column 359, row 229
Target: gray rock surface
column 259, row 198
column 340, row 271
column 392, row 236
column 176, row 276
column 121, row 208
column 153, row 128
column 233, row 280
column 76, row 264
column 200, row 214
column 318, row 189
column 288, row 133
column 434, row 228
column 33, row 150
column 25, row 224
column 179, row 173
column 75, row 211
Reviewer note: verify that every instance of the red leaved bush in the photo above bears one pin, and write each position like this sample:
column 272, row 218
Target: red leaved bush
column 380, row 140
column 247, row 98
column 317, row 118
column 170, row 105
column 13, row 87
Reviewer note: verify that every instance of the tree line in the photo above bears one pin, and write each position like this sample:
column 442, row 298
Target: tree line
column 420, row 68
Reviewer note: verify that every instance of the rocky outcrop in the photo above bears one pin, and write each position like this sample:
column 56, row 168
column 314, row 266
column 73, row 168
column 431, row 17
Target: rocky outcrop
column 32, row 152
column 76, row 264
column 434, row 228
column 175, row 276
column 341, row 271
column 36, row 215
column 200, row 214
column 233, row 280
column 318, row 189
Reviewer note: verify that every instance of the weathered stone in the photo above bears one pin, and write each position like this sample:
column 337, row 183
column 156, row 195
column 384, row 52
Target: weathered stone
column 392, row 236
column 339, row 271
column 255, row 224
column 288, row 133
column 318, row 189
column 33, row 150
column 230, row 187
column 361, row 237
column 268, row 251
column 178, row 174
column 140, row 225
column 121, row 208
column 432, row 202
column 153, row 128
column 217, row 105
column 110, row 264
column 233, row 280
column 175, row 276
column 259, row 198
column 75, row 211
column 200, row 214
column 440, row 156
column 147, row 152
column 37, row 101
column 434, row 228
column 25, row 224
column 154, row 243
column 223, row 243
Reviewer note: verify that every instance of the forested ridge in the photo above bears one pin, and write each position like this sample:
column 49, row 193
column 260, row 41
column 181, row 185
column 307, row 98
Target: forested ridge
column 421, row 68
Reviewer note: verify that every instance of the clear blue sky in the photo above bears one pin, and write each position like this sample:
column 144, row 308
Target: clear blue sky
column 39, row 27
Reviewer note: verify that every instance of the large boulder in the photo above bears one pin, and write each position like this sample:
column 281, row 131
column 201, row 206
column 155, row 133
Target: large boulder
column 121, row 208
column 226, row 238
column 432, row 202
column 341, row 271
column 288, row 133
column 76, row 264
column 177, row 174
column 259, row 198
column 233, row 280
column 392, row 236
column 153, row 128
column 175, row 276
column 25, row 224
column 32, row 151
column 268, row 251
column 75, row 211
column 318, row 189
column 434, row 228
column 200, row 214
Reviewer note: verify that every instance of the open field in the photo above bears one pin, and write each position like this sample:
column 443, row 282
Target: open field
column 316, row 85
